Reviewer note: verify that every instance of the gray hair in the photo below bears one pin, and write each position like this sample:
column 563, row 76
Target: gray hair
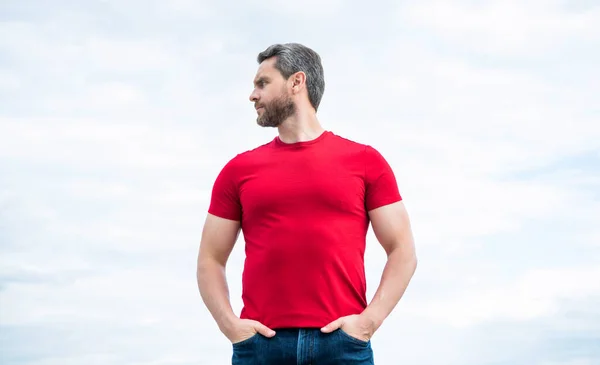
column 294, row 57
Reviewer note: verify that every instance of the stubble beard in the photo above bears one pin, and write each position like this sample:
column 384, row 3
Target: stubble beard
column 276, row 112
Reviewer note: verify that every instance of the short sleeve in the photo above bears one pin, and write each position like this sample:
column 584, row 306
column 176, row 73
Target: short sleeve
column 225, row 199
column 381, row 187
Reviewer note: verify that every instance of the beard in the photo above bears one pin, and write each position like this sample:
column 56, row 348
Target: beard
column 276, row 112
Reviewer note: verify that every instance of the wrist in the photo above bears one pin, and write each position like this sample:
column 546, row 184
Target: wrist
column 227, row 324
column 374, row 318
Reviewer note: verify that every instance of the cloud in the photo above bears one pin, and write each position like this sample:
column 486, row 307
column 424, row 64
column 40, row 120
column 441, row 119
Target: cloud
column 504, row 27
column 536, row 294
column 119, row 115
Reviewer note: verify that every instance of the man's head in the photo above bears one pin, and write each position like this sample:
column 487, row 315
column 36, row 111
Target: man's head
column 289, row 77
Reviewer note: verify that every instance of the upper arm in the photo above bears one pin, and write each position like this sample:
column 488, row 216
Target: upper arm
column 384, row 203
column 222, row 224
column 381, row 187
column 392, row 229
column 218, row 238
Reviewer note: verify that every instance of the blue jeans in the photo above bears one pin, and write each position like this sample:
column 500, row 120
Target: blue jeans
column 303, row 347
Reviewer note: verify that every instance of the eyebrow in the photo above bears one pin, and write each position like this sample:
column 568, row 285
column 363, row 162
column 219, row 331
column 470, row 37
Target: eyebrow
column 261, row 79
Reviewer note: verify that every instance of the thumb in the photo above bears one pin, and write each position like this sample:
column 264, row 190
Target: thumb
column 333, row 325
column 264, row 330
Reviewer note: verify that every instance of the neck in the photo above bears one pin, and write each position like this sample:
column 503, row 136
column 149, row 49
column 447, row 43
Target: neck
column 301, row 127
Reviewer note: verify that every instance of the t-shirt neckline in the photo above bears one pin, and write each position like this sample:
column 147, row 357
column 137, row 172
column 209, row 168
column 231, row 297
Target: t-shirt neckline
column 279, row 143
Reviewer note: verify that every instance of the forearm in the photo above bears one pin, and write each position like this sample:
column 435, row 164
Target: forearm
column 395, row 278
column 214, row 290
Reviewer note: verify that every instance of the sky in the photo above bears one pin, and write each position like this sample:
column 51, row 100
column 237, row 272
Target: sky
column 116, row 117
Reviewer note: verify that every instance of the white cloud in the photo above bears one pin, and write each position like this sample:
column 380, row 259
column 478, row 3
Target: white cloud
column 504, row 27
column 114, row 135
column 83, row 142
column 311, row 9
column 538, row 293
column 578, row 361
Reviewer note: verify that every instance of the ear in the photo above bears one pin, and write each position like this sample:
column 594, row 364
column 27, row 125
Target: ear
column 298, row 81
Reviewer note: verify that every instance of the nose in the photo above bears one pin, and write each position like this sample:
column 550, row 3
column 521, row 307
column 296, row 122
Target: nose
column 253, row 96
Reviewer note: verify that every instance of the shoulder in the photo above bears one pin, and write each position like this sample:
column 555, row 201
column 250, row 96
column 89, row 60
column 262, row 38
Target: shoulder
column 351, row 145
column 345, row 141
column 370, row 158
column 247, row 158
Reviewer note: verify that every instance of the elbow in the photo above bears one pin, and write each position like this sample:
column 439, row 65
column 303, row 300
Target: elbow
column 414, row 261
column 413, row 258
column 203, row 266
column 411, row 254
column 207, row 265
column 404, row 258
column 409, row 259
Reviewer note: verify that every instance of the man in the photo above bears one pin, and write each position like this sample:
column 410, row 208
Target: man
column 304, row 202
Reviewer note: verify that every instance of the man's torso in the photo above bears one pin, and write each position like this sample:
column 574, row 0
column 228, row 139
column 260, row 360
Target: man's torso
column 303, row 212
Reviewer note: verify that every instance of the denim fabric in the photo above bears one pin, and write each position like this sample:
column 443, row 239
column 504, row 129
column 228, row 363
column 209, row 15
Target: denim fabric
column 303, row 347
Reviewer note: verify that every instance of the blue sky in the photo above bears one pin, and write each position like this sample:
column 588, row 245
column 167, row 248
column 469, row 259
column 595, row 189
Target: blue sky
column 117, row 115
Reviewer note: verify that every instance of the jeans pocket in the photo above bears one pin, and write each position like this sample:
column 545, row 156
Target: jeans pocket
column 247, row 341
column 352, row 338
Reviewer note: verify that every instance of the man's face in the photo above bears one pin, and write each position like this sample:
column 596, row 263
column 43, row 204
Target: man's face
column 270, row 96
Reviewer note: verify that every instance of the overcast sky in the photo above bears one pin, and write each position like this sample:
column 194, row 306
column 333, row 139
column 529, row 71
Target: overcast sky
column 116, row 116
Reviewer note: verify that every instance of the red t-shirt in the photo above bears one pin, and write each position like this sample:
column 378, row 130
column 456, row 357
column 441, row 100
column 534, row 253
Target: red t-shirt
column 303, row 212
